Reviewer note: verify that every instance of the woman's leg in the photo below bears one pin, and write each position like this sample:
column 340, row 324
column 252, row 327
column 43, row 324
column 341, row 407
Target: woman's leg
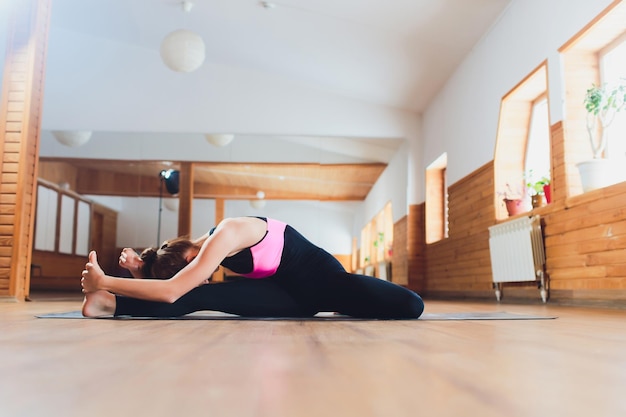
column 250, row 298
column 369, row 297
column 315, row 278
column 354, row 295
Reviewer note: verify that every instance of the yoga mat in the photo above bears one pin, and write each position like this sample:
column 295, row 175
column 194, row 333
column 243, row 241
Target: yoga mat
column 319, row 317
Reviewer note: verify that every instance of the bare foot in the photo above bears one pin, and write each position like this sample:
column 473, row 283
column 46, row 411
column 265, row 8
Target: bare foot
column 98, row 303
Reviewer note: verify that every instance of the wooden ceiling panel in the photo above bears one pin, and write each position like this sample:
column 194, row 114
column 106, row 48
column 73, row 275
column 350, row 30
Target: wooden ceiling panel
column 337, row 182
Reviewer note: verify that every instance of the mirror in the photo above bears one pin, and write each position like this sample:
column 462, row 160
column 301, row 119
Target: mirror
column 308, row 181
column 286, row 157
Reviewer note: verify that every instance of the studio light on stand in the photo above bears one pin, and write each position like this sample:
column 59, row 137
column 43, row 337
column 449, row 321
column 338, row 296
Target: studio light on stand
column 170, row 178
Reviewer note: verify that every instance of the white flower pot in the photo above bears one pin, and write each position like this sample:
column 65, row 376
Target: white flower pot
column 599, row 173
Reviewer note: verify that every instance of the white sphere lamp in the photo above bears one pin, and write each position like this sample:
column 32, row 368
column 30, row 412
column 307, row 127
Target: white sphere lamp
column 72, row 138
column 219, row 140
column 260, row 201
column 257, row 204
column 171, row 204
column 183, row 51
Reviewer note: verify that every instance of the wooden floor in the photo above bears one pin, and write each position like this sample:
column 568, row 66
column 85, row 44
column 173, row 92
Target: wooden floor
column 571, row 366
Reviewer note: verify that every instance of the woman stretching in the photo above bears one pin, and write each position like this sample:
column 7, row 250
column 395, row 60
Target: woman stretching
column 287, row 275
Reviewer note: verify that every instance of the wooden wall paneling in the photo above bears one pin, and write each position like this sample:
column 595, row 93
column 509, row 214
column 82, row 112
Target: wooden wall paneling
column 58, row 173
column 99, row 182
column 586, row 243
column 416, row 241
column 57, row 272
column 400, row 255
column 20, row 120
column 470, row 202
column 558, row 179
column 220, row 207
column 107, row 238
column 185, row 197
column 461, row 263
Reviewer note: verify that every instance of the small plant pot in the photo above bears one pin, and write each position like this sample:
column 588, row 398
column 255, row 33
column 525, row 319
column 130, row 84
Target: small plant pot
column 599, row 173
column 547, row 191
column 516, row 206
column 538, row 200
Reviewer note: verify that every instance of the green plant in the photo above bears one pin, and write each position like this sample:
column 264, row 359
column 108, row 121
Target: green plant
column 536, row 187
column 602, row 104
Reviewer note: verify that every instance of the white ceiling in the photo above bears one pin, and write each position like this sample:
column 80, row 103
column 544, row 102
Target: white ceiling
column 390, row 53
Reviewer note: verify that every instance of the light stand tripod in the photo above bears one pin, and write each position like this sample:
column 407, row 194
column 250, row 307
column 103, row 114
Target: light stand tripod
column 171, row 179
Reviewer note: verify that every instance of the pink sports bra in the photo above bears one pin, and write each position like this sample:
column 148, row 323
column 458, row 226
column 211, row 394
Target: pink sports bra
column 267, row 254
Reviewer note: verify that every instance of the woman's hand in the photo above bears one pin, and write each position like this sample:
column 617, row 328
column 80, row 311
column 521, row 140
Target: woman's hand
column 93, row 275
column 130, row 260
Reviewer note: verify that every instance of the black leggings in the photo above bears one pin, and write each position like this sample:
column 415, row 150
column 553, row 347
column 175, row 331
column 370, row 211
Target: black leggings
column 309, row 280
column 353, row 295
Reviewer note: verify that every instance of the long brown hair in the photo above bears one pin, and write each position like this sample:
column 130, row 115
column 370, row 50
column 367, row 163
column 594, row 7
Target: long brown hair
column 166, row 261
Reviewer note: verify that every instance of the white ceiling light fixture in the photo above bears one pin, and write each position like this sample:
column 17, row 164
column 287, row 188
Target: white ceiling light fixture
column 183, row 50
column 171, row 204
column 220, row 140
column 72, row 138
column 260, row 201
column 257, row 204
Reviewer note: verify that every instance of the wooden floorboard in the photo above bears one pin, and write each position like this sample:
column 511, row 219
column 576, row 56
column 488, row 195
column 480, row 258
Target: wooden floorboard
column 572, row 366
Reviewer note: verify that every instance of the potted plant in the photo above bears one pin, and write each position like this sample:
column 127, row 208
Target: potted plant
column 602, row 104
column 540, row 191
column 516, row 201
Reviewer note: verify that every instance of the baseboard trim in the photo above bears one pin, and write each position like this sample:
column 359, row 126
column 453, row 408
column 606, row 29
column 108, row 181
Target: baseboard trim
column 614, row 299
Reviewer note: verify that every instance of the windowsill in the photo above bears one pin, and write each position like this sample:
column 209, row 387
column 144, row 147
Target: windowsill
column 588, row 196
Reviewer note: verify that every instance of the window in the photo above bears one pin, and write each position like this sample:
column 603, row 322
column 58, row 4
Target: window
column 612, row 70
column 595, row 55
column 437, row 200
column 523, row 148
column 537, row 159
column 377, row 238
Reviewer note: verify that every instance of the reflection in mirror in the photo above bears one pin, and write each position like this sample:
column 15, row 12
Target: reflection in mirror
column 314, row 183
column 45, row 233
column 305, row 180
column 66, row 229
column 83, row 223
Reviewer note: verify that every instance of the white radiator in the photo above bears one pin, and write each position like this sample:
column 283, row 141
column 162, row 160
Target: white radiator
column 517, row 253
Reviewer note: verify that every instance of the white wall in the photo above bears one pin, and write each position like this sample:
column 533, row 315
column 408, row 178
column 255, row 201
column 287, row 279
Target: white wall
column 326, row 224
column 391, row 186
column 462, row 119
column 216, row 98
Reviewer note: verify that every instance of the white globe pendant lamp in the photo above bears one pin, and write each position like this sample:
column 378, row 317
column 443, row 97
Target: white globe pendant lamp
column 260, row 201
column 183, row 50
column 219, row 139
column 171, row 204
column 72, row 138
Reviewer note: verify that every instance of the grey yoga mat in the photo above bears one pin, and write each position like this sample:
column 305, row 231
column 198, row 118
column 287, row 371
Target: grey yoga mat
column 319, row 317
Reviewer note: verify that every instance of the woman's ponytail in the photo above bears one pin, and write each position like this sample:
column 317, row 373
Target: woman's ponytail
column 149, row 257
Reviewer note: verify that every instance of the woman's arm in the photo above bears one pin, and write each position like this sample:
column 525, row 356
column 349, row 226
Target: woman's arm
column 130, row 260
column 229, row 237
